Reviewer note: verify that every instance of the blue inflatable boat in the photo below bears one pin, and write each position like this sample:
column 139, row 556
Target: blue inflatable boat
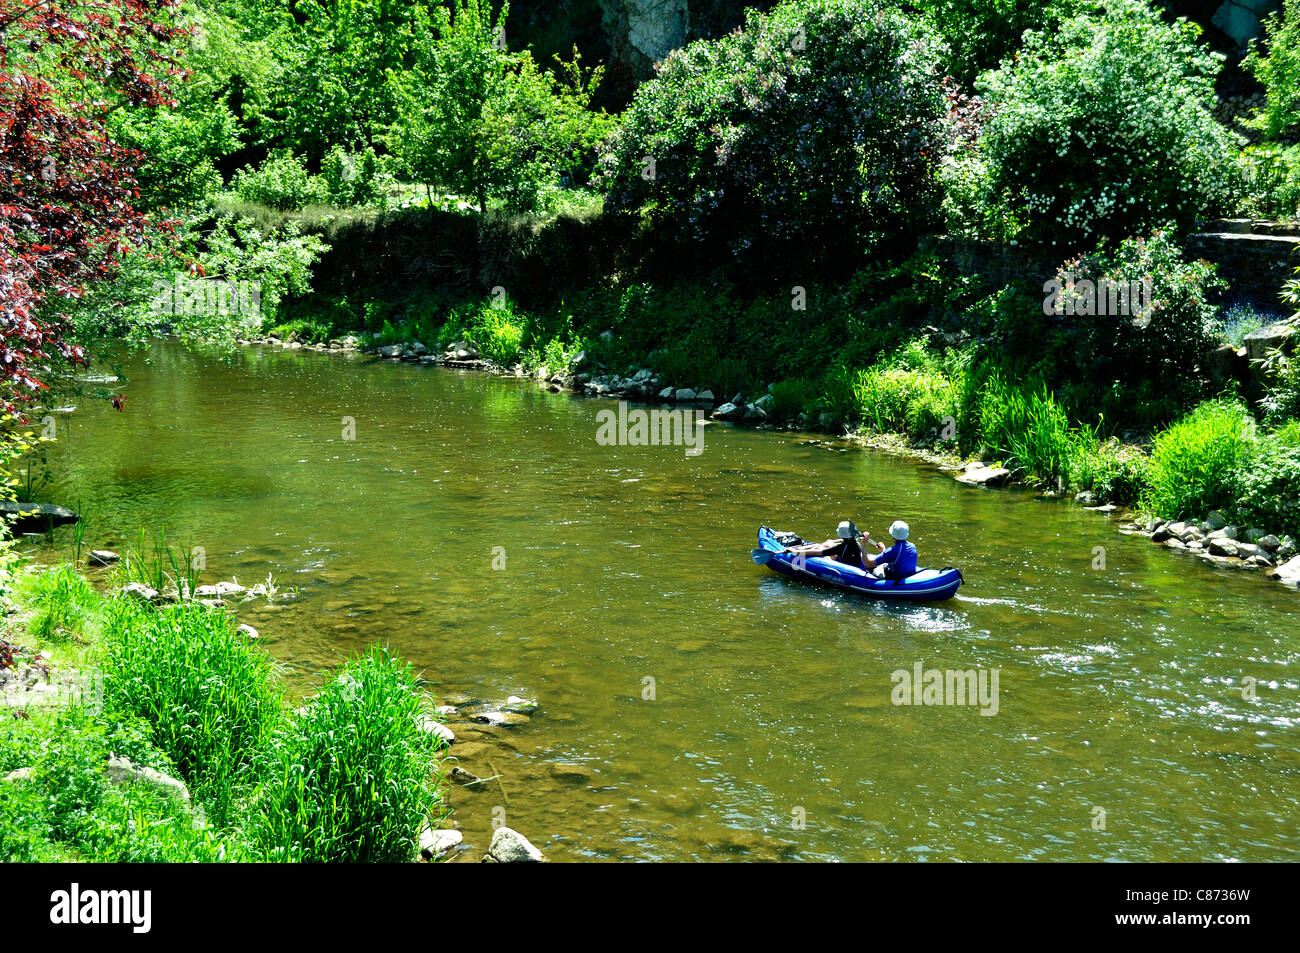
column 791, row 556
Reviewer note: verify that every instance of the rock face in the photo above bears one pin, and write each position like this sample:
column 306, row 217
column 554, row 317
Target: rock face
column 642, row 32
column 510, row 847
column 1243, row 19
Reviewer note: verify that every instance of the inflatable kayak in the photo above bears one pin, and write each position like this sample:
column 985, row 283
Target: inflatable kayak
column 791, row 556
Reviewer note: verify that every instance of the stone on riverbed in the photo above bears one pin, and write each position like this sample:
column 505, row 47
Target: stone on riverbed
column 437, row 729
column 502, row 719
column 520, row 706
column 247, row 631
column 1223, row 547
column 218, row 590
column 728, row 411
column 510, row 847
column 102, row 557
column 437, row 844
column 985, row 476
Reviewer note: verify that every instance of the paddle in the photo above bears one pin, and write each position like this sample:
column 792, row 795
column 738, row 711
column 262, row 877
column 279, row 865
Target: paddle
column 761, row 556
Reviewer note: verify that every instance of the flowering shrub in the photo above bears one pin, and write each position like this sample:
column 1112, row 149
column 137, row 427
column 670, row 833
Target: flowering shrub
column 812, row 132
column 1104, row 128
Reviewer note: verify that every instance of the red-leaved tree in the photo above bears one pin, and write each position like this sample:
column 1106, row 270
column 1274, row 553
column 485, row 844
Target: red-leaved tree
column 67, row 191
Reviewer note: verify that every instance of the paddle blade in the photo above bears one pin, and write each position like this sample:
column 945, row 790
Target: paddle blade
column 761, row 556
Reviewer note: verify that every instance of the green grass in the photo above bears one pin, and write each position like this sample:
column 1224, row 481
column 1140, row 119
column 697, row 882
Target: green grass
column 211, row 698
column 1030, row 427
column 347, row 779
column 62, row 606
column 1194, row 460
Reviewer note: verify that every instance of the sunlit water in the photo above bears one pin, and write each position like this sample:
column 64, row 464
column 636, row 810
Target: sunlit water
column 771, row 733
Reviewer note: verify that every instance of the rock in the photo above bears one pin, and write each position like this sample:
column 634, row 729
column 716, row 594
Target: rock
column 391, row 351
column 417, row 348
column 247, row 631
column 683, row 394
column 607, row 336
column 643, row 375
column 580, row 360
column 501, row 719
column 1228, row 532
column 985, row 476
column 666, row 393
column 22, row 774
column 1085, row 498
column 705, row 396
column 1192, row 533
column 218, row 590
column 1214, row 521
column 755, row 412
column 1222, row 547
column 728, row 411
column 35, row 517
column 1253, row 534
column 437, row 729
column 1177, row 529
column 1269, row 543
column 1151, row 525
column 1262, row 340
column 1247, row 550
column 1289, row 572
column 102, row 557
column 520, row 706
column 765, row 403
column 125, row 771
column 570, row 773
column 1260, row 560
column 510, row 847
column 437, row 844
column 1286, row 550
column 138, row 590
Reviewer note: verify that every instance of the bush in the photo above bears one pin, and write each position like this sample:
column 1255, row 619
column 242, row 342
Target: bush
column 980, row 33
column 210, row 697
column 1269, row 483
column 1028, row 426
column 914, row 391
column 1195, row 460
column 811, row 134
column 63, row 605
column 281, row 182
column 1112, row 471
column 1276, row 64
column 346, row 781
column 1162, row 336
column 354, row 178
column 1104, row 128
column 1270, row 180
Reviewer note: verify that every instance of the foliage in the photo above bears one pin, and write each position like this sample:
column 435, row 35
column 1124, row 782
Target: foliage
column 979, row 34
column 1276, row 64
column 66, row 188
column 1270, row 176
column 1030, row 427
column 1113, row 472
column 1195, row 459
column 282, row 182
column 811, row 133
column 1268, row 483
column 915, row 391
column 1104, row 128
column 346, row 780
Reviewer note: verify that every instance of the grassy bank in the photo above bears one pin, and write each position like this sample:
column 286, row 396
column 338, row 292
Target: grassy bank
column 350, row 776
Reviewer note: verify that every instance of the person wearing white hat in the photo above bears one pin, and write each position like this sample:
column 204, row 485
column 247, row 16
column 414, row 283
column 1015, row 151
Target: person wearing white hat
column 896, row 562
column 851, row 550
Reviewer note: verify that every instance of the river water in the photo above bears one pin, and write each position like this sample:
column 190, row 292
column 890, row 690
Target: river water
column 693, row 705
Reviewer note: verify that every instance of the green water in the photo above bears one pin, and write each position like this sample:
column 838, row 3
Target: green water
column 1119, row 688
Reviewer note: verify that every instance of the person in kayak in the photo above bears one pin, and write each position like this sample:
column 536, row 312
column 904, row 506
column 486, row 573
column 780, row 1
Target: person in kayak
column 896, row 562
column 850, row 551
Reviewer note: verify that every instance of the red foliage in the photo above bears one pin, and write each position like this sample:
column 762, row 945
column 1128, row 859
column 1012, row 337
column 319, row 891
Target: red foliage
column 67, row 191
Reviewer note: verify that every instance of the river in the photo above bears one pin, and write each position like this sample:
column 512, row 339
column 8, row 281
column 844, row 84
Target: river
column 703, row 707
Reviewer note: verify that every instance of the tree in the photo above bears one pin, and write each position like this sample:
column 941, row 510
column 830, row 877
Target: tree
column 67, row 192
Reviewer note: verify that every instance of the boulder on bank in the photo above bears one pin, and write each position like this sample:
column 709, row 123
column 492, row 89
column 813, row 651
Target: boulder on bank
column 728, row 411
column 437, row 844
column 35, row 517
column 510, row 847
column 985, row 476
column 1289, row 572
column 124, row 771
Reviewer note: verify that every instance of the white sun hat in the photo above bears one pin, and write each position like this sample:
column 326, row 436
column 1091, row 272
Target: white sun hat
column 899, row 530
column 846, row 530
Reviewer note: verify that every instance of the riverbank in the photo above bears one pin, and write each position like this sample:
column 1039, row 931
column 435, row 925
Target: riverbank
column 144, row 724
